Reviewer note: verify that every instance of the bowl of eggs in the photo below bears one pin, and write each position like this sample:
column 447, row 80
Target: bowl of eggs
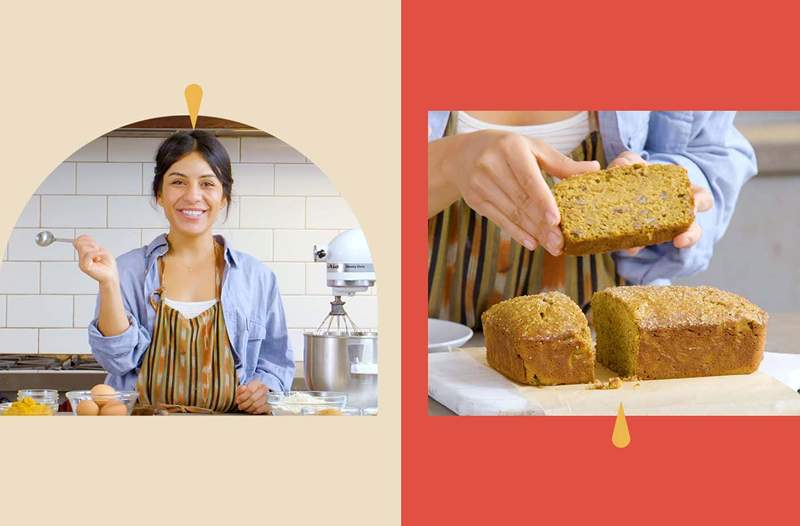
column 102, row 400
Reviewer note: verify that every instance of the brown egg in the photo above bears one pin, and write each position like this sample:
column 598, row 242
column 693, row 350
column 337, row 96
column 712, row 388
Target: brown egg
column 114, row 408
column 101, row 394
column 87, row 408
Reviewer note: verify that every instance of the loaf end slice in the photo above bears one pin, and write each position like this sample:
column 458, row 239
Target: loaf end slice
column 542, row 339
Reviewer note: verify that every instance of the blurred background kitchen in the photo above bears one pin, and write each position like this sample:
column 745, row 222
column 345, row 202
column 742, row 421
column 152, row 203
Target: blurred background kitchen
column 282, row 206
column 759, row 256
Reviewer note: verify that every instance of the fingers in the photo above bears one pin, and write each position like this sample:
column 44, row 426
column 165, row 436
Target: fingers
column 703, row 200
column 557, row 164
column 498, row 186
column 688, row 238
column 536, row 194
column 633, row 251
column 627, row 158
column 252, row 397
column 489, row 210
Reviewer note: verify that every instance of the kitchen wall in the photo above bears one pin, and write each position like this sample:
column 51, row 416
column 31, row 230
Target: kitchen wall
column 282, row 205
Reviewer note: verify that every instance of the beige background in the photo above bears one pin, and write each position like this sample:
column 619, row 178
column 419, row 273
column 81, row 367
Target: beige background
column 325, row 78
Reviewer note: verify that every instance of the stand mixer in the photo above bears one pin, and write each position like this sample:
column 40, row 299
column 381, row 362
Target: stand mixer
column 349, row 270
column 338, row 355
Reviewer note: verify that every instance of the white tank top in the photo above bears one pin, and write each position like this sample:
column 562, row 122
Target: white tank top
column 190, row 309
column 564, row 135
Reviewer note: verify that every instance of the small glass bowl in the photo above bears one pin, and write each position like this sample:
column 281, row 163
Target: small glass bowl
column 4, row 406
column 291, row 403
column 330, row 411
column 126, row 397
column 48, row 397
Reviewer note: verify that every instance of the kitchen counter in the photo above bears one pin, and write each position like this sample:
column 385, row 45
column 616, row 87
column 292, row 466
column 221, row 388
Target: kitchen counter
column 783, row 336
column 76, row 380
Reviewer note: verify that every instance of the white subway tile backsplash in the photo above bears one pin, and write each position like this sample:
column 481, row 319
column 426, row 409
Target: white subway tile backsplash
column 273, row 212
column 291, row 277
column 22, row 246
column 363, row 309
column 298, row 245
column 257, row 243
column 97, row 150
column 133, row 149
column 2, row 311
column 39, row 311
column 134, row 212
column 19, row 341
column 329, row 212
column 30, row 214
column 19, row 278
column 269, row 150
column 232, row 145
column 296, row 343
column 229, row 218
column 253, row 179
column 64, row 341
column 316, row 279
column 115, row 240
column 66, row 278
column 60, row 181
column 305, row 311
column 84, row 310
column 148, row 174
column 302, row 179
column 109, row 178
column 73, row 211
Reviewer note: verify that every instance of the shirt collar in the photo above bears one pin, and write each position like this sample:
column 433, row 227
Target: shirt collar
column 158, row 247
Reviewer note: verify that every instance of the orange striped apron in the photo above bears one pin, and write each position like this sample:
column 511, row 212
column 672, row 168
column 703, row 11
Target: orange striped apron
column 472, row 264
column 189, row 361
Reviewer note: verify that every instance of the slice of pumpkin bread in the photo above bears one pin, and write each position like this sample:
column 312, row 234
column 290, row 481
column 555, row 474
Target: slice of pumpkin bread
column 624, row 207
column 539, row 340
column 677, row 332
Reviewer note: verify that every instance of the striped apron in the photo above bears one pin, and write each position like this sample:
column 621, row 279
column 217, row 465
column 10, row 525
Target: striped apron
column 472, row 264
column 189, row 361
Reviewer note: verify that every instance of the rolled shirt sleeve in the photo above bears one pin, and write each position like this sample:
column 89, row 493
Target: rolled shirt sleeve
column 718, row 158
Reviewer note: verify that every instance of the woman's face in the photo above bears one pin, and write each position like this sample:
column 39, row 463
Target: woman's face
column 191, row 195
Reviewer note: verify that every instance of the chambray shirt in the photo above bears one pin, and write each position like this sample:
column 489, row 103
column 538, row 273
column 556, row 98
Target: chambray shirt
column 251, row 305
column 716, row 156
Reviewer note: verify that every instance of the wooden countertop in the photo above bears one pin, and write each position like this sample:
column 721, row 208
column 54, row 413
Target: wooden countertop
column 783, row 336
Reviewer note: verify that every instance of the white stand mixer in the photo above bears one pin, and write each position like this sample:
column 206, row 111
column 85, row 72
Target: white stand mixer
column 339, row 356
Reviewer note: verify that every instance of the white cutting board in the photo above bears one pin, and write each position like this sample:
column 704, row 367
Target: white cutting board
column 463, row 382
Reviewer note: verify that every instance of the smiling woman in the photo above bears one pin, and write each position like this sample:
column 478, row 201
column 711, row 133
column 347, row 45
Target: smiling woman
column 187, row 319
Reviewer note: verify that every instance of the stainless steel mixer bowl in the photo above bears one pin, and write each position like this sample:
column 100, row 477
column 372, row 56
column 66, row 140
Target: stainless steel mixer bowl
column 343, row 362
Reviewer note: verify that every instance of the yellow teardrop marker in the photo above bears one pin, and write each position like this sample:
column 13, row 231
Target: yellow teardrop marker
column 621, row 437
column 194, row 95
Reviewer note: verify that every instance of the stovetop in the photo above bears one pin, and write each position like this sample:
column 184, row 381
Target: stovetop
column 38, row 362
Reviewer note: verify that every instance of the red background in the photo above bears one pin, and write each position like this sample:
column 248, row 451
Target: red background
column 613, row 55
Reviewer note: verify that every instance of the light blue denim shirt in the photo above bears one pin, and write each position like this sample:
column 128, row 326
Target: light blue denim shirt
column 716, row 156
column 251, row 305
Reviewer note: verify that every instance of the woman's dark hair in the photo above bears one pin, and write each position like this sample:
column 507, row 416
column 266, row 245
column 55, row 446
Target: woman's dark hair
column 182, row 143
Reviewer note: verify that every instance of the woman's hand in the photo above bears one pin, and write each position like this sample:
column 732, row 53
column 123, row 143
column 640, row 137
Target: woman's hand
column 703, row 202
column 252, row 398
column 498, row 175
column 95, row 261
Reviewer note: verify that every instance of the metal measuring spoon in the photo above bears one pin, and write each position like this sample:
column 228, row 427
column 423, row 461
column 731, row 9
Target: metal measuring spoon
column 46, row 238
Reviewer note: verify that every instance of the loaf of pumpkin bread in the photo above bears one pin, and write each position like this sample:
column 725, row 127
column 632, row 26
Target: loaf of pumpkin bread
column 539, row 340
column 624, row 207
column 675, row 332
